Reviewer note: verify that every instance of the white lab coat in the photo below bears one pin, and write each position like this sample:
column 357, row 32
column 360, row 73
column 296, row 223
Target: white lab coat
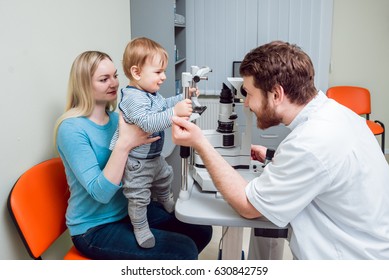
column 330, row 181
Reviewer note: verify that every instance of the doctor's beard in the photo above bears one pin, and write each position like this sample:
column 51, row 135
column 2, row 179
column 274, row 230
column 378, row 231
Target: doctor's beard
column 267, row 117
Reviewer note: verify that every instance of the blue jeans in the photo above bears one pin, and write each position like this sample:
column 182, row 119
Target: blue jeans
column 175, row 240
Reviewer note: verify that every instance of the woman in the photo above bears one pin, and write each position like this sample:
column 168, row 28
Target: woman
column 97, row 215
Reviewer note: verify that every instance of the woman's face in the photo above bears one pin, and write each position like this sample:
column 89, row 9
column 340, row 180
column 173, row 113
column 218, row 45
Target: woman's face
column 105, row 82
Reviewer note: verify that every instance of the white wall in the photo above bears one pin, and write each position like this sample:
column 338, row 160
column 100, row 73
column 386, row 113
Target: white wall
column 38, row 42
column 39, row 39
column 360, row 45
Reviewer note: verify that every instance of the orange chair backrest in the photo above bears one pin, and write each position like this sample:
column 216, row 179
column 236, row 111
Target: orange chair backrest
column 38, row 203
column 355, row 98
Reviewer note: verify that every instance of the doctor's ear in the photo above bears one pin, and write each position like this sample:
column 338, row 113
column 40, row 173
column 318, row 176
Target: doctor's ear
column 278, row 93
column 135, row 72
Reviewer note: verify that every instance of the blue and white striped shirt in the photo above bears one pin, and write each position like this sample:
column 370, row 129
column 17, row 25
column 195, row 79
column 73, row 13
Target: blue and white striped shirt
column 151, row 112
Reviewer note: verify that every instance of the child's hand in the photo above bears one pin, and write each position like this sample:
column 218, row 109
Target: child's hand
column 194, row 91
column 183, row 108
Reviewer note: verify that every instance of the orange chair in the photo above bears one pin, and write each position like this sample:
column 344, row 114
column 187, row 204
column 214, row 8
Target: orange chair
column 358, row 100
column 37, row 204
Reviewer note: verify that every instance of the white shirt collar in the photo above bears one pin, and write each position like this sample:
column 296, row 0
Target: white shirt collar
column 313, row 105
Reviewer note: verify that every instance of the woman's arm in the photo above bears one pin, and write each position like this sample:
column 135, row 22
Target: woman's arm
column 88, row 160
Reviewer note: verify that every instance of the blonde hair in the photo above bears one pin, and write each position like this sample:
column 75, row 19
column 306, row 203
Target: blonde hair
column 80, row 101
column 138, row 51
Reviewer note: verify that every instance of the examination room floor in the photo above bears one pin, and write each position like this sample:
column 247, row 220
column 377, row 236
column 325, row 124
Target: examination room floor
column 211, row 251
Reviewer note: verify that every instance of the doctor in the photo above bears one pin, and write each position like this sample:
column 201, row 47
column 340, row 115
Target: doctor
column 328, row 179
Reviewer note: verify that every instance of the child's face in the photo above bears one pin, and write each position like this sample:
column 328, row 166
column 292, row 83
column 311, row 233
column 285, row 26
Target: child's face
column 152, row 75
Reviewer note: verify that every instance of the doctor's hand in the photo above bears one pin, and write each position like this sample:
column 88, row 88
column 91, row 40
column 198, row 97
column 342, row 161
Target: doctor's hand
column 258, row 153
column 186, row 133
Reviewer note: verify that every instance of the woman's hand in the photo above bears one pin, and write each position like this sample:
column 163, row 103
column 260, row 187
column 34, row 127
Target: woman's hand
column 132, row 136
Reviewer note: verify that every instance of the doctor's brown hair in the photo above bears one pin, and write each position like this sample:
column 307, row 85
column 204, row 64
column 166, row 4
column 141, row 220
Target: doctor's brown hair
column 284, row 64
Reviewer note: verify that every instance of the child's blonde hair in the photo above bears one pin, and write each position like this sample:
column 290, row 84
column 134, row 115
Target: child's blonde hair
column 138, row 51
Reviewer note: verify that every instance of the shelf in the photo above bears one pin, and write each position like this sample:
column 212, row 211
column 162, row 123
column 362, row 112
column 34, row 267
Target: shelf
column 180, row 61
column 178, row 25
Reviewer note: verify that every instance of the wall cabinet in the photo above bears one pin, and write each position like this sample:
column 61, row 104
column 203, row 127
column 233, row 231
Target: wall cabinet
column 180, row 42
column 157, row 20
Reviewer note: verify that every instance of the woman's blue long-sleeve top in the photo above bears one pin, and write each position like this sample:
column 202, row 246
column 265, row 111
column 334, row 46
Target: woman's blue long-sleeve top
column 84, row 149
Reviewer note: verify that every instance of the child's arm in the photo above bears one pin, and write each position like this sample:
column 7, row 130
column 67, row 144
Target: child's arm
column 173, row 100
column 140, row 110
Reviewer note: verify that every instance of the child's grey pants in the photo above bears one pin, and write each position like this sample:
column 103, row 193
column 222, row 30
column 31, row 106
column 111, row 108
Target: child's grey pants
column 141, row 178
